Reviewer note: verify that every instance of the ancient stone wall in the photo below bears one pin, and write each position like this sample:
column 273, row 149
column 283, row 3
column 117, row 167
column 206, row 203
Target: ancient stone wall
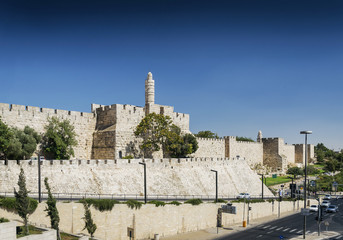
column 37, row 118
column 252, row 152
column 287, row 152
column 271, row 157
column 190, row 176
column 209, row 147
column 300, row 152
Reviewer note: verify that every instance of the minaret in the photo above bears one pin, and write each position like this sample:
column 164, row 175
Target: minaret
column 259, row 136
column 149, row 92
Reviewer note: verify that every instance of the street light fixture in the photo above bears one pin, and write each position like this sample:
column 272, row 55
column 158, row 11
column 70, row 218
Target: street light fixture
column 145, row 197
column 306, row 133
column 216, row 183
column 262, row 184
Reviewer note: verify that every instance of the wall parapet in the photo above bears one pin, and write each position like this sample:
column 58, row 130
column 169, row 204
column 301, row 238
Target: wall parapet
column 31, row 109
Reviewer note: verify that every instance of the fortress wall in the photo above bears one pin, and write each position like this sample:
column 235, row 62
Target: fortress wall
column 210, row 147
column 122, row 176
column 37, row 118
column 299, row 153
column 310, row 151
column 251, row 151
column 288, row 153
column 271, row 156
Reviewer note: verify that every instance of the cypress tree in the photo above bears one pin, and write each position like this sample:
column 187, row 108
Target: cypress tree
column 52, row 210
column 89, row 224
column 22, row 201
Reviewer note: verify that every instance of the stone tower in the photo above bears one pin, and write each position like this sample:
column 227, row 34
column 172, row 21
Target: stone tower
column 259, row 136
column 149, row 93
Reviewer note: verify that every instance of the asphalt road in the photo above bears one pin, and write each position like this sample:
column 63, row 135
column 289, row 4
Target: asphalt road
column 292, row 226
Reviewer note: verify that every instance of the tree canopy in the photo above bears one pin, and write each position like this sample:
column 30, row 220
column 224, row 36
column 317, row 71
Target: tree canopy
column 206, row 134
column 59, row 139
column 22, row 143
column 244, row 139
column 5, row 137
column 158, row 131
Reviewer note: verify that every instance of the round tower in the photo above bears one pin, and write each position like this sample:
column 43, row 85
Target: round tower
column 259, row 136
column 149, row 90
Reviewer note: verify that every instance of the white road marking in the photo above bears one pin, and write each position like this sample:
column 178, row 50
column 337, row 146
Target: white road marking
column 300, row 231
column 272, row 227
column 293, row 230
column 259, row 236
column 286, row 229
column 270, row 232
column 279, row 228
column 266, row 226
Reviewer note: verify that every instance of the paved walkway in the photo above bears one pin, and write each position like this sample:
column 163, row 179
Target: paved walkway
column 213, row 233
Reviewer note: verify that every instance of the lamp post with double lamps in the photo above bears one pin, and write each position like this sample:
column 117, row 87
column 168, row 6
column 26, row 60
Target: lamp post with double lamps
column 305, row 170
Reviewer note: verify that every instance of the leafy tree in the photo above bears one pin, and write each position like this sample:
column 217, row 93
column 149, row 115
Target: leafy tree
column 244, row 139
column 52, row 210
column 179, row 146
column 157, row 131
column 59, row 139
column 5, row 136
column 295, row 171
column 89, row 224
column 332, row 165
column 153, row 129
column 22, row 201
column 23, row 143
column 206, row 134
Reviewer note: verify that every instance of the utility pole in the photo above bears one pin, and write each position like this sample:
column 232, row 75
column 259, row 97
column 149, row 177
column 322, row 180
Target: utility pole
column 216, row 184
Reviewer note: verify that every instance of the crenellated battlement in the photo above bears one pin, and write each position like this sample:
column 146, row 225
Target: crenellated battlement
column 117, row 162
column 20, row 109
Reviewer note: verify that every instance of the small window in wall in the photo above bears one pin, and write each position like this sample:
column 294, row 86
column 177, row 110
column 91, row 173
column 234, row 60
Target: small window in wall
column 120, row 154
column 162, row 110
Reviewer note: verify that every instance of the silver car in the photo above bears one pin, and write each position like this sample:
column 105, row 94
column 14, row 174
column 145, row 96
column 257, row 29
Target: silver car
column 325, row 203
column 332, row 209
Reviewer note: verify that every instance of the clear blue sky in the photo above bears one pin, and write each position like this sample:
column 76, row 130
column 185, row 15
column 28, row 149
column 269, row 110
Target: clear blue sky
column 235, row 66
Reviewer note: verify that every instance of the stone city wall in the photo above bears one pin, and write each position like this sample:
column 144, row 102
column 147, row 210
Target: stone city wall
column 271, row 156
column 287, row 152
column 8, row 229
column 251, row 151
column 37, row 118
column 149, row 220
column 210, row 147
column 190, row 176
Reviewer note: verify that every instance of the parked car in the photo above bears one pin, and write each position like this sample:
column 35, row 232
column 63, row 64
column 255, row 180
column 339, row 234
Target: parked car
column 243, row 195
column 332, row 209
column 314, row 208
column 327, row 197
column 325, row 203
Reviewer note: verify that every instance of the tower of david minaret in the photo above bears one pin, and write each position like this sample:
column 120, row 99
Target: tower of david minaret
column 149, row 93
column 259, row 136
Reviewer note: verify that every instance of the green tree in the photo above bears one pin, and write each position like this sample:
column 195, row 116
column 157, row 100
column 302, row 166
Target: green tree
column 5, row 137
column 89, row 224
column 59, row 139
column 244, row 139
column 158, row 131
column 52, row 210
column 332, row 165
column 206, row 134
column 295, row 171
column 311, row 170
column 22, row 201
column 23, row 143
column 179, row 146
column 153, row 129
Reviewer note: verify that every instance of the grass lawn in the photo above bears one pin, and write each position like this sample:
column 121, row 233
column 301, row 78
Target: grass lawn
column 278, row 180
column 65, row 236
column 32, row 230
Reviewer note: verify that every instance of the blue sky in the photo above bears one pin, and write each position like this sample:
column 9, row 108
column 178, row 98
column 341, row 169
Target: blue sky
column 235, row 66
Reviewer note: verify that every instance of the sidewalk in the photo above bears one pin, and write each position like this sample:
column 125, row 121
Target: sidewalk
column 211, row 233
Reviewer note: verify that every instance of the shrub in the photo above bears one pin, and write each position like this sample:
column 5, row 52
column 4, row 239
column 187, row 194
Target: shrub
column 195, row 201
column 158, row 203
column 220, row 201
column 100, row 204
column 134, row 204
column 128, row 157
column 2, row 220
column 175, row 203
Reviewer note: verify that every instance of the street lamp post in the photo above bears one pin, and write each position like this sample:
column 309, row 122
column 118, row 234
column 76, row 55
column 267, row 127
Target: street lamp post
column 306, row 133
column 216, row 183
column 39, row 181
column 262, row 184
column 145, row 197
